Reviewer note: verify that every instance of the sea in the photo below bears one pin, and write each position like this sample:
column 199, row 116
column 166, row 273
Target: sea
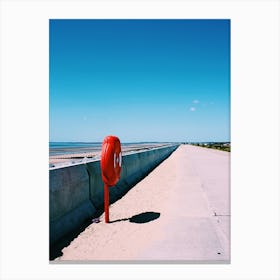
column 62, row 148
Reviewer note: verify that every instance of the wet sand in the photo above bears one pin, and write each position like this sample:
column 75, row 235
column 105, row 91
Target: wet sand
column 179, row 212
column 94, row 153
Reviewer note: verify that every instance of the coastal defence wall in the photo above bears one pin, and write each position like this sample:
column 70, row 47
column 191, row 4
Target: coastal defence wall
column 76, row 192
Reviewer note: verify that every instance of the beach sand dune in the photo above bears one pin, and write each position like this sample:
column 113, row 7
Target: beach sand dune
column 179, row 212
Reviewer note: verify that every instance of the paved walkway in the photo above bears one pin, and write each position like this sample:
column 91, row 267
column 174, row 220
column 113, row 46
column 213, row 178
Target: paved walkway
column 179, row 212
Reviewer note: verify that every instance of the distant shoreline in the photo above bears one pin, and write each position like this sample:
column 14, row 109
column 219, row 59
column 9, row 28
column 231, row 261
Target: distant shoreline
column 59, row 156
column 67, row 153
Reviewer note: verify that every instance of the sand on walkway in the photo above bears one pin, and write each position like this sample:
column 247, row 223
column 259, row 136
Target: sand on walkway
column 179, row 212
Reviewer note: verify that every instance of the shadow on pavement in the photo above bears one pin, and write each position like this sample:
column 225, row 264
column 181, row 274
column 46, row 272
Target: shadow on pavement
column 140, row 218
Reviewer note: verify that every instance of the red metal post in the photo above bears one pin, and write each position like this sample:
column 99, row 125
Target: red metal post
column 106, row 202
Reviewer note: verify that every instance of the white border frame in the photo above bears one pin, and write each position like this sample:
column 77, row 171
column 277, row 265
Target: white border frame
column 254, row 136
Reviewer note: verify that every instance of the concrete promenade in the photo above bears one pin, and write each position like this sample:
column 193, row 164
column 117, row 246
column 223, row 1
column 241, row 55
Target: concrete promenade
column 179, row 212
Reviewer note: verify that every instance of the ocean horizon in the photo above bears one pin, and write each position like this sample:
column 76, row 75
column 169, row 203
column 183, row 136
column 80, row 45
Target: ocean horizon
column 60, row 148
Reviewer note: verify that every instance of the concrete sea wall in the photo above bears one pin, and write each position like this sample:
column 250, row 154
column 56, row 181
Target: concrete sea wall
column 76, row 192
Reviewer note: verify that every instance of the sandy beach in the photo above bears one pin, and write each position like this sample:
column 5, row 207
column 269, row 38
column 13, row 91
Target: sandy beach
column 94, row 153
column 179, row 212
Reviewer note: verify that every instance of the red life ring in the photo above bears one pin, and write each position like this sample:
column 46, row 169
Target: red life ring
column 111, row 160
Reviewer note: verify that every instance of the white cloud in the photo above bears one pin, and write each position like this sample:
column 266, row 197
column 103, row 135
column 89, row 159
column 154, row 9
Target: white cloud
column 192, row 109
column 195, row 101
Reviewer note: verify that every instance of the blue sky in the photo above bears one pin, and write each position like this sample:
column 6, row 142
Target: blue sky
column 141, row 80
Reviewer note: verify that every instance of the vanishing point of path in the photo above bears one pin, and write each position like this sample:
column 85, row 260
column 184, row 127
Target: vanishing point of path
column 179, row 212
